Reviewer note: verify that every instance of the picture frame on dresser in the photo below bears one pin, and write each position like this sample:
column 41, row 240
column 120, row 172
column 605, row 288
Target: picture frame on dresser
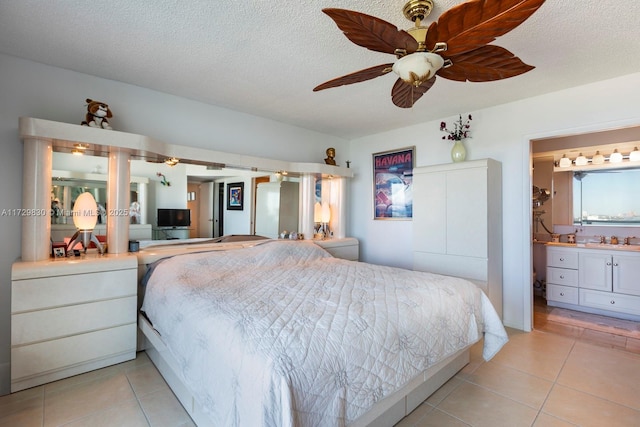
column 393, row 184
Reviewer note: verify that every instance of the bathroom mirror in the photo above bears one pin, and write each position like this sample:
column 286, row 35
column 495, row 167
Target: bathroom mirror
column 606, row 197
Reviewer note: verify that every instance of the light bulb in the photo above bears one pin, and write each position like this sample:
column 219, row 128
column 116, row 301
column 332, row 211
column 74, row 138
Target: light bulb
column 615, row 157
column 581, row 160
column 598, row 159
column 565, row 162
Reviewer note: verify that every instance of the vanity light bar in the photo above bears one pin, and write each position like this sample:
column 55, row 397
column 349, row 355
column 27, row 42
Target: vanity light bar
column 598, row 159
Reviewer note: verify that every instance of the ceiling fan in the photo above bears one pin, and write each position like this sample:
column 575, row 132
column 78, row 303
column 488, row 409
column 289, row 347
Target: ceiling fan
column 454, row 47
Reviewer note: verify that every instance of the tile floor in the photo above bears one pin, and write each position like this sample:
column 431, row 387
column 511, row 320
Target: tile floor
column 561, row 377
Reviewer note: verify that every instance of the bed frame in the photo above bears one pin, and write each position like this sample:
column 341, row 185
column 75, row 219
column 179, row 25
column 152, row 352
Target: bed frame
column 384, row 413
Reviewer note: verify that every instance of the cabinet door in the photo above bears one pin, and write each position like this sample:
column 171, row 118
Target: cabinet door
column 467, row 212
column 430, row 212
column 594, row 270
column 626, row 274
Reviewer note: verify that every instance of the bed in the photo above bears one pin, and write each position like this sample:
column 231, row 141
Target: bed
column 280, row 333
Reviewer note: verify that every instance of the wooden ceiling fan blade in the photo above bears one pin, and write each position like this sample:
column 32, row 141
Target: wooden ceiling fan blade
column 371, row 32
column 405, row 95
column 357, row 77
column 476, row 23
column 484, row 64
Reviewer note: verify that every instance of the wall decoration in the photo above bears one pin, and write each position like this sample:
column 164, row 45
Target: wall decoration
column 235, row 196
column 393, row 184
column 163, row 180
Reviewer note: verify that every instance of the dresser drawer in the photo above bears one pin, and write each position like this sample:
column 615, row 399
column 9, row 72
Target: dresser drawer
column 562, row 276
column 57, row 291
column 566, row 294
column 48, row 356
column 42, row 325
column 629, row 304
column 567, row 258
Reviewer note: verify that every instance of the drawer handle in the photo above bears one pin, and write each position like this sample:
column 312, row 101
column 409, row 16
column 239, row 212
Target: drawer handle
column 613, row 301
column 561, row 294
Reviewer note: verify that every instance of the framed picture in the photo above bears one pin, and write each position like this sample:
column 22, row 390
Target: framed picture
column 58, row 249
column 235, row 196
column 393, row 184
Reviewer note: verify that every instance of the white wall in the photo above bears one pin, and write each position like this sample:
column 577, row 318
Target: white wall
column 34, row 90
column 502, row 133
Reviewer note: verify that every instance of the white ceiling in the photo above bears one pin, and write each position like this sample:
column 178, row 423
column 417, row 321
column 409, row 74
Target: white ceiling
column 265, row 57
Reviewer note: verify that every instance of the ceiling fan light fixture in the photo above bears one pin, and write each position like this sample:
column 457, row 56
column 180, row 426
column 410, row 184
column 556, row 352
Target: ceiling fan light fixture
column 418, row 67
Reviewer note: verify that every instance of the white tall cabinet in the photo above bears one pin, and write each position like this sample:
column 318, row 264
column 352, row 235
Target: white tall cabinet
column 276, row 208
column 457, row 223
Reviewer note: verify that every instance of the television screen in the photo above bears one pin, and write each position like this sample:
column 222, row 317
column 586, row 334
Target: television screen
column 174, row 217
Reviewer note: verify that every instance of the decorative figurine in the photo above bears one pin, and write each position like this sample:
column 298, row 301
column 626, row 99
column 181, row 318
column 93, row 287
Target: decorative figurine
column 331, row 154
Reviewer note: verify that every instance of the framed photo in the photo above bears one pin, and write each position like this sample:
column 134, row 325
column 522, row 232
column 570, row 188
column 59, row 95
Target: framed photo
column 59, row 250
column 393, row 184
column 235, row 196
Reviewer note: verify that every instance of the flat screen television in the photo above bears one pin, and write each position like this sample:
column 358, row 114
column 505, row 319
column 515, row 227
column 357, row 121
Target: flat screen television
column 174, row 217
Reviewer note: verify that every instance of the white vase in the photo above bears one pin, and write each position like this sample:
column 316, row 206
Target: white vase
column 458, row 152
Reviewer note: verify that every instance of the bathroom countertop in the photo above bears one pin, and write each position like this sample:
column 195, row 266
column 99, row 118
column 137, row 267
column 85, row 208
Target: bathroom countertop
column 605, row 246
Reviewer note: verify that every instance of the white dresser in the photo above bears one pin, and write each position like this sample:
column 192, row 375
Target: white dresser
column 598, row 281
column 457, row 223
column 70, row 316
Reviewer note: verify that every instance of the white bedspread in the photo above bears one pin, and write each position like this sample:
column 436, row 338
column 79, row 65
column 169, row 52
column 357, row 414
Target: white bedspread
column 283, row 334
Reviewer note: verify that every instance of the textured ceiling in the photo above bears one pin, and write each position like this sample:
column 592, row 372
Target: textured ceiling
column 265, row 57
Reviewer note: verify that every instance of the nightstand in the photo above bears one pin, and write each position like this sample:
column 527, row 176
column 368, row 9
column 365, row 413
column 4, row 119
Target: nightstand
column 70, row 316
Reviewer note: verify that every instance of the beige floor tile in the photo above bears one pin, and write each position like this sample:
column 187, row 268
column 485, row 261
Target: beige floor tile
column 437, row 418
column 163, row 409
column 514, row 384
column 415, row 416
column 440, row 394
column 607, row 373
column 128, row 414
column 633, row 345
column 603, row 338
column 588, row 411
column 24, row 408
column 545, row 420
column 480, row 407
column 537, row 353
column 145, row 379
column 74, row 402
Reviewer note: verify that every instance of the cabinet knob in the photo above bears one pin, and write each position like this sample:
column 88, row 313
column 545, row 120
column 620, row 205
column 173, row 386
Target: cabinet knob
column 562, row 276
column 561, row 259
column 561, row 294
column 615, row 264
column 608, row 263
column 613, row 301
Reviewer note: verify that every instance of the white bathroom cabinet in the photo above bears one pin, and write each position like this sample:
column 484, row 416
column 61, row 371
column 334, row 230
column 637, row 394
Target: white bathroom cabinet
column 457, row 223
column 594, row 280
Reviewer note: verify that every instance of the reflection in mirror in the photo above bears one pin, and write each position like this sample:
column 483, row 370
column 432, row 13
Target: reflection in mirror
column 606, row 197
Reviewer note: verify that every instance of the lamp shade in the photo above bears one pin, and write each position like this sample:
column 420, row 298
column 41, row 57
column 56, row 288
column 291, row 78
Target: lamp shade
column 326, row 213
column 634, row 156
column 418, row 67
column 317, row 212
column 85, row 212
